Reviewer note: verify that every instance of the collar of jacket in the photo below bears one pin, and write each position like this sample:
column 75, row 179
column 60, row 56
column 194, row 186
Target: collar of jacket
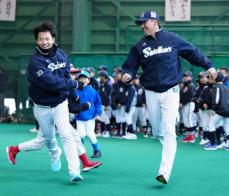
column 156, row 35
column 47, row 52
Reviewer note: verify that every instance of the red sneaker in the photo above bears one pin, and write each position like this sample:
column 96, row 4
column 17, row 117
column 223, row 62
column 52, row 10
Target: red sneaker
column 189, row 139
column 90, row 165
column 11, row 154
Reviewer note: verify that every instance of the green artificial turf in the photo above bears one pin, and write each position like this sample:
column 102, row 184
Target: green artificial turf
column 128, row 169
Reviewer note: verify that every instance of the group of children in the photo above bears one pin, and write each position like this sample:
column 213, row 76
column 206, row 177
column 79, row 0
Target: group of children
column 206, row 107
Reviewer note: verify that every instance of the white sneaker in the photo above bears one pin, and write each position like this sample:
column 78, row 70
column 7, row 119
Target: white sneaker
column 226, row 147
column 130, row 136
column 221, row 146
column 106, row 134
column 145, row 135
column 98, row 135
column 203, row 141
column 34, row 130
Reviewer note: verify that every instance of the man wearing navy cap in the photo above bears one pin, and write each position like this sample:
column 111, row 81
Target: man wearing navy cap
column 158, row 53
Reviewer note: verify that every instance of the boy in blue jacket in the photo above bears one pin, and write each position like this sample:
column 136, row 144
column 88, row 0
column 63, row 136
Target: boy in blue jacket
column 86, row 120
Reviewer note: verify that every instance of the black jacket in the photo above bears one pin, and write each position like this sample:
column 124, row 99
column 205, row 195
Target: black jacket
column 187, row 93
column 118, row 92
column 94, row 83
column 140, row 95
column 220, row 99
column 105, row 93
column 128, row 96
column 205, row 97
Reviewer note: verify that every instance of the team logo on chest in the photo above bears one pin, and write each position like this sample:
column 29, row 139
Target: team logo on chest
column 149, row 52
column 53, row 66
column 140, row 91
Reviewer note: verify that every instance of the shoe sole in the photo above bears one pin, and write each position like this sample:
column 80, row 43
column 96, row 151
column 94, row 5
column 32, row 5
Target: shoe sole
column 7, row 152
column 203, row 144
column 76, row 179
column 161, row 179
column 185, row 142
column 211, row 149
column 188, row 142
column 89, row 168
column 94, row 157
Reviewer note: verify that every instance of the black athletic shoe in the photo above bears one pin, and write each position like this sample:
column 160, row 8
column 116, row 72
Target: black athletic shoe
column 96, row 154
column 160, row 178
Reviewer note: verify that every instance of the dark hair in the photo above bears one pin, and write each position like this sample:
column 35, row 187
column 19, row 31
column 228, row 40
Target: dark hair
column 45, row 27
column 220, row 77
column 225, row 69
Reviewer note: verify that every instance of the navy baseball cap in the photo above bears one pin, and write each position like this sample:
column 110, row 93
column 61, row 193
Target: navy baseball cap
column 146, row 16
column 220, row 77
column 103, row 73
column 102, row 67
column 188, row 73
column 91, row 69
column 84, row 73
column 202, row 74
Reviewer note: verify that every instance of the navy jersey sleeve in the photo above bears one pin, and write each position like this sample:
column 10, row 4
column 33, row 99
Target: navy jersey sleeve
column 67, row 69
column 132, row 64
column 41, row 76
column 113, row 97
column 189, row 52
column 130, row 97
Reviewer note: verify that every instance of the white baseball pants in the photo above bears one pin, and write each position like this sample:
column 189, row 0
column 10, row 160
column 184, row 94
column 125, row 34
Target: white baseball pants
column 87, row 128
column 139, row 113
column 163, row 111
column 216, row 121
column 47, row 118
column 189, row 117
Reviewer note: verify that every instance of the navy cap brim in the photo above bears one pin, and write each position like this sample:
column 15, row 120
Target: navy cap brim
column 140, row 21
column 82, row 75
column 187, row 75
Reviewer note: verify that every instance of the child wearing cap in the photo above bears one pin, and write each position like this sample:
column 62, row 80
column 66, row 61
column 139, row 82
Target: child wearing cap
column 127, row 109
column 204, row 104
column 86, row 120
column 220, row 104
column 116, row 97
column 140, row 109
column 225, row 72
column 105, row 95
column 93, row 82
column 187, row 94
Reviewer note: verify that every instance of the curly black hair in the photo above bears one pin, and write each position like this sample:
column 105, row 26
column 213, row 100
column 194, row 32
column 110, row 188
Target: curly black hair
column 45, row 27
